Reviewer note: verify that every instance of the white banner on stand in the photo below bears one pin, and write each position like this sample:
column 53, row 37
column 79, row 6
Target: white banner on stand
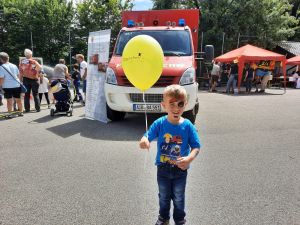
column 98, row 53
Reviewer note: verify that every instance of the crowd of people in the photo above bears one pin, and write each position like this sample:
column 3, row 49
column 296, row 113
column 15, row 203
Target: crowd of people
column 29, row 79
column 255, row 74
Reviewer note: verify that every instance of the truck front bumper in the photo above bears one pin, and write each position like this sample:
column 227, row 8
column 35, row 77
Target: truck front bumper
column 126, row 99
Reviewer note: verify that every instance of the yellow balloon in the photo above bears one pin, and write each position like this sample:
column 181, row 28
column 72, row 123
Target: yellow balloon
column 142, row 61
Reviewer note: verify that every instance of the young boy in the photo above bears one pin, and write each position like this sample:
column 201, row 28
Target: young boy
column 76, row 81
column 178, row 145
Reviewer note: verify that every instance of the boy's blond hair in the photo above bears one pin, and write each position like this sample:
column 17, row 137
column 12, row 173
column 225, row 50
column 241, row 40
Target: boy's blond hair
column 175, row 91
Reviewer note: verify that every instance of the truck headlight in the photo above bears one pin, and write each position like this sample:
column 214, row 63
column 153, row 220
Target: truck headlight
column 188, row 77
column 111, row 76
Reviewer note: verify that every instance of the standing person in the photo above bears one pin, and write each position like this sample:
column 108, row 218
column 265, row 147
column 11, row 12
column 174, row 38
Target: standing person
column 61, row 72
column 215, row 76
column 249, row 77
column 178, row 145
column 264, row 81
column 9, row 79
column 76, row 81
column 83, row 72
column 29, row 71
column 43, row 89
column 233, row 75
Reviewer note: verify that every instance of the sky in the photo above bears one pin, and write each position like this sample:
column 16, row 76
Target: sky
column 142, row 4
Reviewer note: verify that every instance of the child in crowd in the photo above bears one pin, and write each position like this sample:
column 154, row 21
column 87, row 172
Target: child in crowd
column 178, row 145
column 76, row 81
column 43, row 89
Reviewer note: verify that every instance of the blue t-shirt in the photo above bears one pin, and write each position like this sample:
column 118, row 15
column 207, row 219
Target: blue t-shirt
column 9, row 81
column 173, row 141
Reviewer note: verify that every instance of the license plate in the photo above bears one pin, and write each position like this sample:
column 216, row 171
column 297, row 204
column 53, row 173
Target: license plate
column 148, row 107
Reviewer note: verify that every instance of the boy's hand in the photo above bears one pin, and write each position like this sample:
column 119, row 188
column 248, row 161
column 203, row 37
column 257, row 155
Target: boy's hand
column 184, row 162
column 144, row 143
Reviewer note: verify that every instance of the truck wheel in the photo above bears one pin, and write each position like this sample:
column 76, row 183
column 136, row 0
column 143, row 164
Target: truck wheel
column 114, row 115
column 191, row 114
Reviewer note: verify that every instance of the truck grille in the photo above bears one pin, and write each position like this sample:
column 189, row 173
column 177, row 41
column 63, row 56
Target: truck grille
column 163, row 81
column 153, row 98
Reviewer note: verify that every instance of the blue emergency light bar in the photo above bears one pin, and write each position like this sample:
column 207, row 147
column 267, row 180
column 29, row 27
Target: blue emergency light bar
column 181, row 22
column 130, row 23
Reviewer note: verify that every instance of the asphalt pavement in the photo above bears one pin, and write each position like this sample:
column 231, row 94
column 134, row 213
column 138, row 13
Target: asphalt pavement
column 71, row 170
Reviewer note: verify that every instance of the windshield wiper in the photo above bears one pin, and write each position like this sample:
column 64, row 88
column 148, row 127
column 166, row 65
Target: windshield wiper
column 169, row 53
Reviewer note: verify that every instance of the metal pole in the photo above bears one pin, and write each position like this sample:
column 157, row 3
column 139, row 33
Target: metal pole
column 31, row 39
column 201, row 42
column 238, row 43
column 70, row 53
column 200, row 65
column 223, row 43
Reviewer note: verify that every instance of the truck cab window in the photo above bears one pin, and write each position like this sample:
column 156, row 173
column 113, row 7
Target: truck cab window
column 173, row 42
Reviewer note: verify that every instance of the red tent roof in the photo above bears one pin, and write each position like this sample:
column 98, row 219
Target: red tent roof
column 294, row 61
column 250, row 53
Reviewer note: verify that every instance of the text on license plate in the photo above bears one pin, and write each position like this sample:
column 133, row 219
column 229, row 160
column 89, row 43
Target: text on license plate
column 150, row 107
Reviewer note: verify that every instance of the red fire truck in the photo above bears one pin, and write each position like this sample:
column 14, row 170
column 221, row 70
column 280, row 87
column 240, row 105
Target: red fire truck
column 177, row 33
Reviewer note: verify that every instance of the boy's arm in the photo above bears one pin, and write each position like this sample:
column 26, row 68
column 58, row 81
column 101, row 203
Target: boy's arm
column 194, row 141
column 150, row 135
column 184, row 162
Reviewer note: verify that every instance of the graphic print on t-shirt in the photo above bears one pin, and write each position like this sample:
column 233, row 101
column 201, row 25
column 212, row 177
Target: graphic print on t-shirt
column 170, row 148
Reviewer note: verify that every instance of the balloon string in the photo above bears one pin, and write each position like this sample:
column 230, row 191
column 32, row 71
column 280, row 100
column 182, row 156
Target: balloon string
column 146, row 120
column 145, row 112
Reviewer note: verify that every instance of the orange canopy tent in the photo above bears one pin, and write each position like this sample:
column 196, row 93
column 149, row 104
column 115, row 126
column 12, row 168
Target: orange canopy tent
column 294, row 61
column 250, row 53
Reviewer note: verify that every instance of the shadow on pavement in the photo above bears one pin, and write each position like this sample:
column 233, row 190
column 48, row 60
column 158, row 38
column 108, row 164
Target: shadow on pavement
column 130, row 129
column 268, row 92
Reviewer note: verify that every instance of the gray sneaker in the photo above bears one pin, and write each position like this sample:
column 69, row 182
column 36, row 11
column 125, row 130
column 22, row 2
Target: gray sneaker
column 181, row 222
column 162, row 221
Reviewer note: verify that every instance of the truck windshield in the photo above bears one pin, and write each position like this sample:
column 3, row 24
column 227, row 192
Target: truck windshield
column 173, row 42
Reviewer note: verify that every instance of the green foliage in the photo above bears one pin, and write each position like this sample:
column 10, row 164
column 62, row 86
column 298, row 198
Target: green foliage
column 52, row 22
column 95, row 15
column 46, row 21
column 259, row 22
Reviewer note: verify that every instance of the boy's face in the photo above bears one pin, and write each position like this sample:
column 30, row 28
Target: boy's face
column 174, row 107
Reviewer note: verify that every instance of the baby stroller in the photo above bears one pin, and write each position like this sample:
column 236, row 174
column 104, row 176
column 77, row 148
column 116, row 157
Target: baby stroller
column 62, row 95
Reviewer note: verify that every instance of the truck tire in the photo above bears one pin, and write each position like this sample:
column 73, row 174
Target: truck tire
column 114, row 115
column 192, row 114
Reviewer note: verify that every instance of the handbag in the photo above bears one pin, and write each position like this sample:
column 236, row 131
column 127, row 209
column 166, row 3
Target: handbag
column 23, row 88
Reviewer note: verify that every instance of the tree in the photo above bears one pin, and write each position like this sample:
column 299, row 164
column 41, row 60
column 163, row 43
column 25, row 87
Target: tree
column 46, row 21
column 95, row 15
column 260, row 22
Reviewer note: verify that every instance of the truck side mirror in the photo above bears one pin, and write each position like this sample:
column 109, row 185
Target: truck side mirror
column 209, row 53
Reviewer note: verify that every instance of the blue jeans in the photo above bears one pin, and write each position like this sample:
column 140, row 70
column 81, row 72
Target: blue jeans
column 84, row 86
column 76, row 91
column 231, row 82
column 171, row 184
column 248, row 84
